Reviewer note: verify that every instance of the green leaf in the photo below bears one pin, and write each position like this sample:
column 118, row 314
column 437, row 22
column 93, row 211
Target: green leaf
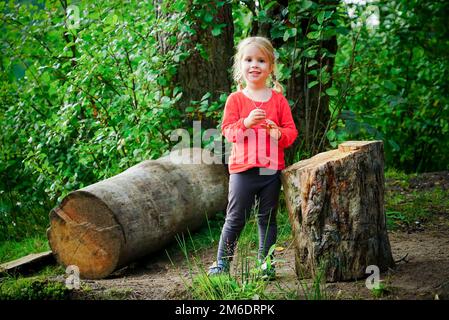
column 389, row 85
column 312, row 63
column 331, row 135
column 306, row 4
column 312, row 84
column 332, row 91
column 310, row 53
column 328, row 14
column 216, row 31
column 313, row 35
column 277, row 31
column 342, row 30
column 289, row 33
column 272, row 3
column 223, row 97
column 208, row 17
column 394, row 145
column 206, row 96
column 320, row 17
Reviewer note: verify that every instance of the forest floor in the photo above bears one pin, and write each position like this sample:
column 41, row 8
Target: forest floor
column 418, row 211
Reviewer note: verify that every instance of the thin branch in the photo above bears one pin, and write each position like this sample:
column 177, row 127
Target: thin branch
column 132, row 79
column 343, row 96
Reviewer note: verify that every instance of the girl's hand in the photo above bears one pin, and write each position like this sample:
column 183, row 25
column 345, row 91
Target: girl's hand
column 254, row 117
column 273, row 129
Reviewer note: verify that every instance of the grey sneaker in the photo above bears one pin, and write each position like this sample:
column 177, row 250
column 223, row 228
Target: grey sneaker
column 218, row 268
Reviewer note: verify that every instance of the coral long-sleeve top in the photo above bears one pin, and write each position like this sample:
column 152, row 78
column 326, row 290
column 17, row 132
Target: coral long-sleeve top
column 254, row 147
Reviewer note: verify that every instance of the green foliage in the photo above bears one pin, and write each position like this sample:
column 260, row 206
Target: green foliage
column 19, row 218
column 380, row 291
column 205, row 237
column 246, row 280
column 411, row 208
column 394, row 80
column 114, row 294
column 82, row 100
column 11, row 250
column 40, row 287
column 33, row 288
column 226, row 287
column 92, row 104
column 81, row 104
column 314, row 288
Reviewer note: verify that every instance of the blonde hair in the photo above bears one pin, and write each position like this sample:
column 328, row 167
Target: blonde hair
column 264, row 45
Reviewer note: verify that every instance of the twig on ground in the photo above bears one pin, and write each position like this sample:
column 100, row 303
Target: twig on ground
column 404, row 258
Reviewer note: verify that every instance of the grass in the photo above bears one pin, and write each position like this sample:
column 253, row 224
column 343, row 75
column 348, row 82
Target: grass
column 224, row 287
column 382, row 290
column 205, row 237
column 11, row 249
column 115, row 294
column 315, row 290
column 404, row 206
column 396, row 177
column 412, row 207
column 245, row 280
column 41, row 286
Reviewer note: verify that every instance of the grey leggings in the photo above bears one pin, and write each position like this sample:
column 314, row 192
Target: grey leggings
column 244, row 187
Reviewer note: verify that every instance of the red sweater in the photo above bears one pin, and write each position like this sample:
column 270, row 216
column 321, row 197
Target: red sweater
column 254, row 147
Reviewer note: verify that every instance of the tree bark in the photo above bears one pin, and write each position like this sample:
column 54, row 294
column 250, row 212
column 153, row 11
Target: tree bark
column 108, row 224
column 198, row 74
column 335, row 202
column 310, row 109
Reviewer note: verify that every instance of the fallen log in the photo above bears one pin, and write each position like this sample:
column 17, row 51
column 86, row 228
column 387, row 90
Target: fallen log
column 105, row 226
column 335, row 202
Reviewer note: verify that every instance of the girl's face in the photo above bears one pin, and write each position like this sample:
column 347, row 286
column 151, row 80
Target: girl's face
column 256, row 67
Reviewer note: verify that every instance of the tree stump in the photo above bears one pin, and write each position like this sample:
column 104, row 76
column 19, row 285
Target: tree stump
column 107, row 225
column 335, row 202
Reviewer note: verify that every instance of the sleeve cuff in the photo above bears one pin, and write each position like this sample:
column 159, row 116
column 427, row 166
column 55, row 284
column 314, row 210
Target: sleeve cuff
column 283, row 137
column 241, row 124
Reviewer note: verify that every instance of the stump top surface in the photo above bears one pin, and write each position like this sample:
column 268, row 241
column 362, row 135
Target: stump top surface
column 349, row 146
column 343, row 151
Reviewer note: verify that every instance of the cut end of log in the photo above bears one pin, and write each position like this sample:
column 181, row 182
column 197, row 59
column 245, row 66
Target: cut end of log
column 83, row 233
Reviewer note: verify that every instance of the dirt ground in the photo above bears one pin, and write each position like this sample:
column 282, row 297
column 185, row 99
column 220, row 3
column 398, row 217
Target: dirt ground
column 421, row 271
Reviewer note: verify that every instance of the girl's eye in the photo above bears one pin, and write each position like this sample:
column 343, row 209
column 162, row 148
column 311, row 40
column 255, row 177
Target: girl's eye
column 261, row 61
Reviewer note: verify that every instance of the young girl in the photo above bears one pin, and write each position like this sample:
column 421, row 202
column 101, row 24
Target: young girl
column 258, row 121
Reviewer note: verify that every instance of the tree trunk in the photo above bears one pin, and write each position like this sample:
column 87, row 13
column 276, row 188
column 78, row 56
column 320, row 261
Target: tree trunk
column 335, row 202
column 310, row 107
column 108, row 224
column 207, row 72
